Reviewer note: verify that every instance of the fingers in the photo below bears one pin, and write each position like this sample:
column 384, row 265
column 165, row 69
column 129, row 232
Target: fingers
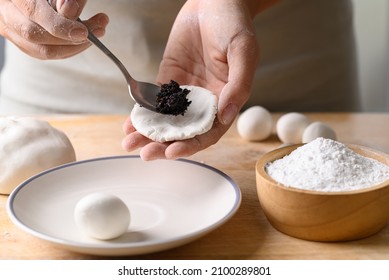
column 127, row 126
column 194, row 145
column 41, row 13
column 243, row 55
column 35, row 34
column 34, row 40
column 150, row 150
column 45, row 52
column 70, row 9
column 37, row 29
column 97, row 24
column 170, row 150
column 153, row 151
column 134, row 140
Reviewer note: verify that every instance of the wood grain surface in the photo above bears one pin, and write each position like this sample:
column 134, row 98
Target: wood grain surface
column 248, row 235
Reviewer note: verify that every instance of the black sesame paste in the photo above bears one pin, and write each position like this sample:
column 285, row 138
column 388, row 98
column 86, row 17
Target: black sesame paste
column 171, row 99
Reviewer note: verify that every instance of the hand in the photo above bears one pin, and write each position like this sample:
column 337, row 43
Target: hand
column 212, row 45
column 42, row 32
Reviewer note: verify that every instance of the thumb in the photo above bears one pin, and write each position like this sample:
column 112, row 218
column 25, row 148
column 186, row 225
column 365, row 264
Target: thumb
column 70, row 9
column 242, row 56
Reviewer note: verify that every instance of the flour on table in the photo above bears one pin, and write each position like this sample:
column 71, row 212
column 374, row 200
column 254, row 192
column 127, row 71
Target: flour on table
column 327, row 165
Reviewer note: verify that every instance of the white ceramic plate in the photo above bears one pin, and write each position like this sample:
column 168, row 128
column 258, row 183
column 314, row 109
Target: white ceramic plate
column 171, row 203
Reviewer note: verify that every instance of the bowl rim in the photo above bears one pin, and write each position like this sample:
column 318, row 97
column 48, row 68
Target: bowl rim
column 270, row 156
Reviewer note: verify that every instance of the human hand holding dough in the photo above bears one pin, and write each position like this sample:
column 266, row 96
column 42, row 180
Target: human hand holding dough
column 181, row 134
column 211, row 51
column 29, row 146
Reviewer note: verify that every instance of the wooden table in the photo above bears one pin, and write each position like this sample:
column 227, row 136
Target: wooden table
column 248, row 235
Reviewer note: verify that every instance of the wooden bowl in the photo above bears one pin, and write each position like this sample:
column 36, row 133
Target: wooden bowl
column 323, row 216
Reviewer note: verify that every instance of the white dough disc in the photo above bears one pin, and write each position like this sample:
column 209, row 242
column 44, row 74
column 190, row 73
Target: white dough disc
column 197, row 119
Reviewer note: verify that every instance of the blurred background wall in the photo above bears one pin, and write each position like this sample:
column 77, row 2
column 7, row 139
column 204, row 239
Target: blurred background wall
column 371, row 29
column 1, row 51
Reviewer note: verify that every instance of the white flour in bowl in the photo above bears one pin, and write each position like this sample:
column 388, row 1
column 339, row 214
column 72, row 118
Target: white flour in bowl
column 329, row 166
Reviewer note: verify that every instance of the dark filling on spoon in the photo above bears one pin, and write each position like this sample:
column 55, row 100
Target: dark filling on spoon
column 171, row 99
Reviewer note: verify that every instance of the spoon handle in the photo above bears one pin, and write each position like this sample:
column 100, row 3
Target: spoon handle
column 93, row 39
column 132, row 84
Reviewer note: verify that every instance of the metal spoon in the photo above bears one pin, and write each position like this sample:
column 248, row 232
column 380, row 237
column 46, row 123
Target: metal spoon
column 145, row 94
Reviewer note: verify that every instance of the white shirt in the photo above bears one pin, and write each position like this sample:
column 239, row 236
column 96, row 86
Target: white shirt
column 307, row 60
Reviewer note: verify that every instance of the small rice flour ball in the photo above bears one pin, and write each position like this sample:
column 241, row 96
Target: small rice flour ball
column 29, row 146
column 316, row 130
column 102, row 216
column 290, row 127
column 255, row 124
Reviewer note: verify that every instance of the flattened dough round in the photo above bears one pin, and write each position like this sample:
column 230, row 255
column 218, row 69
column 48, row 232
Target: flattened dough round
column 197, row 120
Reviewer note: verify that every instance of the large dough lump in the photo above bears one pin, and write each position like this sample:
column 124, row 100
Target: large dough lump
column 29, row 146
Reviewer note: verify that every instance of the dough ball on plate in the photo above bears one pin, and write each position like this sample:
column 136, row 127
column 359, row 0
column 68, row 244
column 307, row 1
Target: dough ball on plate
column 29, row 146
column 255, row 124
column 102, row 216
column 290, row 127
column 197, row 119
column 318, row 129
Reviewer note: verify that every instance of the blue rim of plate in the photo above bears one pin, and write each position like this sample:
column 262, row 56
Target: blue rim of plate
column 103, row 246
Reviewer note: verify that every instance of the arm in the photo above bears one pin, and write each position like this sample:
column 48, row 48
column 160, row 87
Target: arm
column 212, row 44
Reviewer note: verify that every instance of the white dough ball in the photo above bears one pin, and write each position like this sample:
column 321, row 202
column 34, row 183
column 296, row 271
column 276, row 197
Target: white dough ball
column 255, row 124
column 290, row 127
column 29, row 146
column 102, row 216
column 318, row 129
